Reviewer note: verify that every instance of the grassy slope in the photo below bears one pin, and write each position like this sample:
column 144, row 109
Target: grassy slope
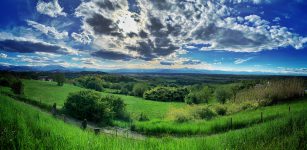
column 23, row 127
column 220, row 124
column 49, row 93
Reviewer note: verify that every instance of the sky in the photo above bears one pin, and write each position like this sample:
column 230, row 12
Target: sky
column 230, row 35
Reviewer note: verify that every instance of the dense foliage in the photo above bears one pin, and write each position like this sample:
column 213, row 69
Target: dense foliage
column 59, row 78
column 166, row 94
column 199, row 96
column 91, row 106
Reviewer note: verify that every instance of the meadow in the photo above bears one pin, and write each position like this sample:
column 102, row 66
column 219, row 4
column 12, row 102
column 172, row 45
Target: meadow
column 48, row 93
column 24, row 127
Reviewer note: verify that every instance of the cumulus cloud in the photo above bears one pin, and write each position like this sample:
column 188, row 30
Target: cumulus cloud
column 160, row 28
column 52, row 8
column 48, row 30
column 241, row 60
column 83, row 37
column 3, row 56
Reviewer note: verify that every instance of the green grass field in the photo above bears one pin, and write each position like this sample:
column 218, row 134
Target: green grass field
column 49, row 93
column 24, row 127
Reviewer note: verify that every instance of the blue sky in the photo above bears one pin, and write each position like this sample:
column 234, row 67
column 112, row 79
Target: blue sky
column 231, row 35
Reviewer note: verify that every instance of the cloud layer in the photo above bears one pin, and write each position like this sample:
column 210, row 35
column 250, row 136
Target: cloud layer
column 159, row 28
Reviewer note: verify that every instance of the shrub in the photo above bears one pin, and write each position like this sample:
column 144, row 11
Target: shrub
column 4, row 82
column 17, row 87
column 87, row 105
column 166, row 94
column 139, row 89
column 220, row 109
column 179, row 115
column 95, row 85
column 116, row 105
column 203, row 112
column 199, row 96
column 59, row 78
column 222, row 94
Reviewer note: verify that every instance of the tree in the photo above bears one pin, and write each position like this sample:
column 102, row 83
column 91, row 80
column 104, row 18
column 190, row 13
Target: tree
column 17, row 87
column 116, row 105
column 59, row 78
column 95, row 84
column 198, row 96
column 92, row 106
column 139, row 89
column 222, row 94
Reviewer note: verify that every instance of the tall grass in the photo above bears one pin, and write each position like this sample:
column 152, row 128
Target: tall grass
column 273, row 91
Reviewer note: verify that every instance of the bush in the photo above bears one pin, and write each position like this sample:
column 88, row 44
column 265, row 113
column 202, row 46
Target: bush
column 17, row 87
column 203, row 112
column 166, row 94
column 95, row 85
column 199, row 96
column 222, row 94
column 59, row 78
column 87, row 105
column 179, row 115
column 220, row 109
column 116, row 105
column 4, row 82
column 139, row 89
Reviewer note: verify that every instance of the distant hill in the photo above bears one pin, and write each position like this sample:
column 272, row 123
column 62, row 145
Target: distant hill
column 58, row 68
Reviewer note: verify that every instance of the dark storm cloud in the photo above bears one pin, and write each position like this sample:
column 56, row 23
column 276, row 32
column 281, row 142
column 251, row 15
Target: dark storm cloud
column 111, row 55
column 30, row 47
column 102, row 25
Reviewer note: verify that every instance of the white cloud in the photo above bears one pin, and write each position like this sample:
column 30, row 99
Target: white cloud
column 48, row 30
column 50, row 55
column 83, row 37
column 163, row 27
column 3, row 56
column 52, row 9
column 241, row 60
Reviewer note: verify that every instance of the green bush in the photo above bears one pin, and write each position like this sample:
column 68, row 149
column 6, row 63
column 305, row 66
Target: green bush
column 116, row 105
column 220, row 109
column 87, row 105
column 198, row 96
column 95, row 85
column 17, row 87
column 166, row 94
column 222, row 94
column 92, row 106
column 59, row 78
column 139, row 89
column 203, row 112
